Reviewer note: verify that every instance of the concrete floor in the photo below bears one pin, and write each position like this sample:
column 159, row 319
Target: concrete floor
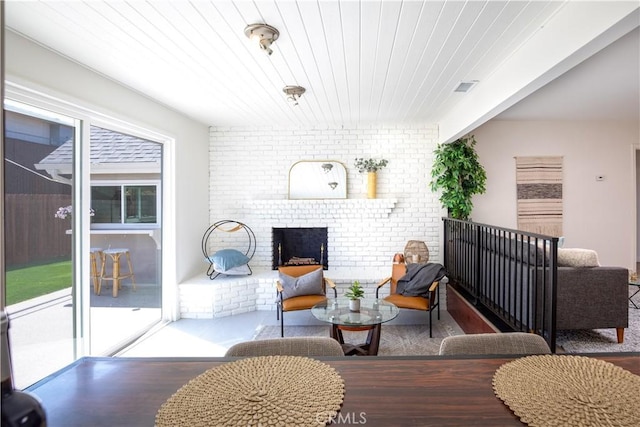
column 41, row 342
column 212, row 337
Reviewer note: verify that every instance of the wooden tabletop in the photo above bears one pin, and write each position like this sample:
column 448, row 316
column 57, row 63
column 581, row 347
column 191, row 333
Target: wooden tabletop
column 380, row 391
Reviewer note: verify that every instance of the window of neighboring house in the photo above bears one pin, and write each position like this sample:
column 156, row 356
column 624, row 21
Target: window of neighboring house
column 125, row 204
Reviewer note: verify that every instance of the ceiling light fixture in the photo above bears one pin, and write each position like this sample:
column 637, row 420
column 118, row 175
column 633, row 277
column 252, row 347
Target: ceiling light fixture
column 466, row 86
column 293, row 93
column 262, row 35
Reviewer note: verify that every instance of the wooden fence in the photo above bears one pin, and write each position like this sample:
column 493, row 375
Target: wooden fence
column 33, row 235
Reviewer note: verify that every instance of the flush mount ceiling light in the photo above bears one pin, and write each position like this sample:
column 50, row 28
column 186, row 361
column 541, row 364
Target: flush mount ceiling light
column 262, row 35
column 293, row 93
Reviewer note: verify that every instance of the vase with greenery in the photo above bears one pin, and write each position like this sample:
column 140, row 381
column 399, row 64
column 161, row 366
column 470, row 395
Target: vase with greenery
column 354, row 293
column 458, row 173
column 371, row 166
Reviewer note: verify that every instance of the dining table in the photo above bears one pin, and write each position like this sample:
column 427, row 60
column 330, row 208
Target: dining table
column 378, row 391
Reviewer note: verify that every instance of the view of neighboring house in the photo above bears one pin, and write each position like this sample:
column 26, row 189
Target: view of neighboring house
column 125, row 194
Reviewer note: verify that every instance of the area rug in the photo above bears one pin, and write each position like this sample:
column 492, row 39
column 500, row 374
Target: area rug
column 395, row 340
column 413, row 340
column 601, row 340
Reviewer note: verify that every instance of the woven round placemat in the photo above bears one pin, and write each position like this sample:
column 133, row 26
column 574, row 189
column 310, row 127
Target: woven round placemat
column 553, row 390
column 257, row 391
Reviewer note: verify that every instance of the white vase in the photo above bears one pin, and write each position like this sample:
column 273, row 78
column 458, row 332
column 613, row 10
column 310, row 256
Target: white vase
column 354, row 304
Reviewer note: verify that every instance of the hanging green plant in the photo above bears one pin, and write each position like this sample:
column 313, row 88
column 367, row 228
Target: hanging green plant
column 458, row 173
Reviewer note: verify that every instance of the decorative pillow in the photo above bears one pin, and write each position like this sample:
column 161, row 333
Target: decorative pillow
column 226, row 259
column 241, row 270
column 572, row 257
column 307, row 284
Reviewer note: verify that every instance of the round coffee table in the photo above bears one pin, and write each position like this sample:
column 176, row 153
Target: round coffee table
column 373, row 313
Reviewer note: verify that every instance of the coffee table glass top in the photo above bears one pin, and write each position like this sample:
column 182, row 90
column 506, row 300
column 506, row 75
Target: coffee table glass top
column 372, row 312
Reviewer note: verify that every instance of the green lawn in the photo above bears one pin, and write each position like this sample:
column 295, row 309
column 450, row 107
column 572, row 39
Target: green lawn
column 31, row 282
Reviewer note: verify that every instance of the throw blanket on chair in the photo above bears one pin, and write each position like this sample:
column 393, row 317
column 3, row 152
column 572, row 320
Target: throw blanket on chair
column 418, row 279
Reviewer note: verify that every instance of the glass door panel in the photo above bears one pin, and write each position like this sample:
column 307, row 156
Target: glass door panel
column 126, row 173
column 38, row 242
column 60, row 260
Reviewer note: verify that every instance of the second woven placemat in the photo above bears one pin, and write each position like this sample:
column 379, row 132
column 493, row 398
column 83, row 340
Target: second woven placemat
column 257, row 391
column 555, row 390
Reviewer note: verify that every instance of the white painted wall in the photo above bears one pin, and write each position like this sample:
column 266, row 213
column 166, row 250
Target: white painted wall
column 598, row 215
column 44, row 70
column 249, row 182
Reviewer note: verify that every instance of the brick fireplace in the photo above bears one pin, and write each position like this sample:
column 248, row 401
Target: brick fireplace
column 249, row 182
column 299, row 246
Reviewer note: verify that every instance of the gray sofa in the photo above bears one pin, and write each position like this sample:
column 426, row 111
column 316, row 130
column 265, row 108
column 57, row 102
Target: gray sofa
column 587, row 297
column 593, row 298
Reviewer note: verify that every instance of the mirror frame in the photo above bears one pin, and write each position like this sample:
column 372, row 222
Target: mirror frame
column 313, row 179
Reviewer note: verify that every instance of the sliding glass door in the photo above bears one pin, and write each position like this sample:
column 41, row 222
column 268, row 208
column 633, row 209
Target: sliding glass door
column 38, row 243
column 83, row 238
column 126, row 177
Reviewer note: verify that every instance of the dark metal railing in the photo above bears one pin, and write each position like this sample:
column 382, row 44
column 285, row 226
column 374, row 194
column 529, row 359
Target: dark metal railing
column 510, row 274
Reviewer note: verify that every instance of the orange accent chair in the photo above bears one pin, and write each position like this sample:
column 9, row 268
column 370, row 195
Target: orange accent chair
column 410, row 302
column 300, row 302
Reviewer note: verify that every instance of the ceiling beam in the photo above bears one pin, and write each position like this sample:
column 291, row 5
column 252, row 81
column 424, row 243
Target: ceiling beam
column 576, row 32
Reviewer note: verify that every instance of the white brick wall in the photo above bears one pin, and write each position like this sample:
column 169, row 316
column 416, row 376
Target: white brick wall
column 249, row 170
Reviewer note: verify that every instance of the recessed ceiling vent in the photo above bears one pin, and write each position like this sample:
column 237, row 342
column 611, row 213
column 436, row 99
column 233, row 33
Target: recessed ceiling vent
column 466, row 86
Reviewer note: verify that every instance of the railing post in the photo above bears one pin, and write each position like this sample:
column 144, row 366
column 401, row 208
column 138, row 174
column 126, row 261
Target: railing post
column 553, row 262
column 445, row 247
column 478, row 270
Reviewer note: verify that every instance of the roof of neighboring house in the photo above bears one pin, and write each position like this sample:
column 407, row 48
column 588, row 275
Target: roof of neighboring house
column 109, row 147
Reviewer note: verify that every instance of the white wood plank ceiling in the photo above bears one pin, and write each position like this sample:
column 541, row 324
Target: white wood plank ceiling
column 361, row 62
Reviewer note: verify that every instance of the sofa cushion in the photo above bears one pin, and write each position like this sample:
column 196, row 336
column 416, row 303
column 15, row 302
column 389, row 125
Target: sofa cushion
column 575, row 257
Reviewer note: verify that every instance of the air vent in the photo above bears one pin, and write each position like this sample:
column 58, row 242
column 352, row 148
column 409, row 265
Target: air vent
column 466, row 86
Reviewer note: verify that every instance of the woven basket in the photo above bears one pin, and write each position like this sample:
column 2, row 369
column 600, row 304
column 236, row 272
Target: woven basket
column 418, row 248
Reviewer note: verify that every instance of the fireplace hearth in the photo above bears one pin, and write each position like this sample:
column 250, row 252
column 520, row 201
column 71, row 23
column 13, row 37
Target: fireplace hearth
column 300, row 246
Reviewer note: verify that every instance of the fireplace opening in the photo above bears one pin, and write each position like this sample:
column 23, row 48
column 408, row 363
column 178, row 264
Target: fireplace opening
column 300, row 246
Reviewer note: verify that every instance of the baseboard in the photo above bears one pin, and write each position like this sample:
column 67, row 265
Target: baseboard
column 470, row 320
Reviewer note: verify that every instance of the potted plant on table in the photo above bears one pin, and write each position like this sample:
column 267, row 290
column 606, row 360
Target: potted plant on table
column 354, row 293
column 371, row 166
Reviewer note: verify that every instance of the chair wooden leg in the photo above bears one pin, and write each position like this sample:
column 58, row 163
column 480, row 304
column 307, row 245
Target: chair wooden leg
column 116, row 274
column 620, row 334
column 103, row 261
column 133, row 278
column 430, row 327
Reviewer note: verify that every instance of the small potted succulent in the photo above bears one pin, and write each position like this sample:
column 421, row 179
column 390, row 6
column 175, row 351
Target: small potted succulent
column 354, row 293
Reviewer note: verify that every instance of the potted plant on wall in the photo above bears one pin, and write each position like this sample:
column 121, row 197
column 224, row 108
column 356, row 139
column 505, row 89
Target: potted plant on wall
column 458, row 173
column 371, row 166
column 354, row 293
